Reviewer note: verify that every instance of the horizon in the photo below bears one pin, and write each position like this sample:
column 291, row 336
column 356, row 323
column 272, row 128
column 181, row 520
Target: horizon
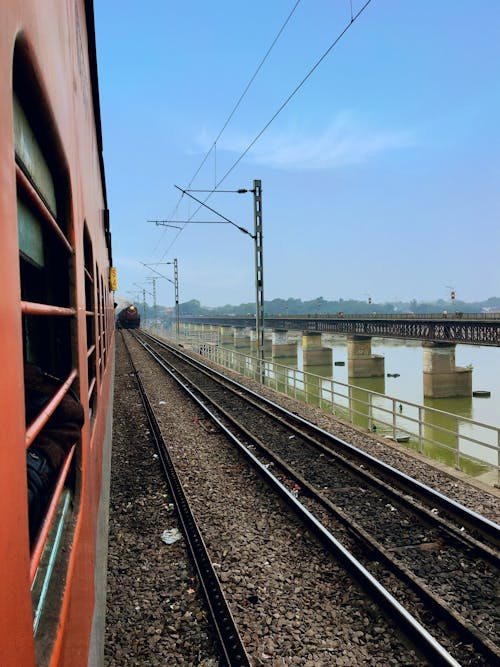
column 324, row 301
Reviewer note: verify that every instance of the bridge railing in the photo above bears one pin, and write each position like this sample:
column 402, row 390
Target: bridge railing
column 443, row 315
column 457, row 441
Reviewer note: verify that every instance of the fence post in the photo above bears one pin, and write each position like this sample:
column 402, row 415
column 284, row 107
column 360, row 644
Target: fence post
column 498, row 459
column 420, row 429
column 370, row 396
column 394, row 419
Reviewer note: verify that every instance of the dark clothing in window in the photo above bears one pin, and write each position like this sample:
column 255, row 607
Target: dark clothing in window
column 63, row 428
column 50, row 447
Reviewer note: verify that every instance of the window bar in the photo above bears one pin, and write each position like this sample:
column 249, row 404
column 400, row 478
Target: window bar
column 37, row 551
column 39, row 422
column 32, row 308
column 41, row 207
column 91, row 387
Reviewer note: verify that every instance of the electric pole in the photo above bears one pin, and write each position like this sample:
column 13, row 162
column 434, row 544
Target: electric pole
column 259, row 274
column 153, row 279
column 176, row 286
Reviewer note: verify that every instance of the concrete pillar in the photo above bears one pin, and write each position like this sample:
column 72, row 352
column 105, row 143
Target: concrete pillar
column 225, row 335
column 253, row 341
column 361, row 362
column 442, row 379
column 314, row 353
column 241, row 337
column 281, row 347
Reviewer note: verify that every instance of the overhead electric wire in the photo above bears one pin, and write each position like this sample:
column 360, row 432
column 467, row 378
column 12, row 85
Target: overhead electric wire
column 294, row 92
column 245, row 91
column 228, row 119
column 276, row 114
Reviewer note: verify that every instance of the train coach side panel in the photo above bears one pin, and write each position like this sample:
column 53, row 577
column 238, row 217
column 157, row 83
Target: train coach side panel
column 15, row 606
column 52, row 37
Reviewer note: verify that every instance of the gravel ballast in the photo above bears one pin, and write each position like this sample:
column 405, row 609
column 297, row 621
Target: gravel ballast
column 155, row 615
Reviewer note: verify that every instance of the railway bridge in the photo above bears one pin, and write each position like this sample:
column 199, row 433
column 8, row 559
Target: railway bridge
column 439, row 334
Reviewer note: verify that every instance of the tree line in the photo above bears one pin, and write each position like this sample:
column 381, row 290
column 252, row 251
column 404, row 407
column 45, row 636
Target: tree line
column 321, row 306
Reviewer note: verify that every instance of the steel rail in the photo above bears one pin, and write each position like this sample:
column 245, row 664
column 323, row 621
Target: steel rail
column 359, row 472
column 229, row 639
column 456, row 620
column 472, row 520
column 422, row 640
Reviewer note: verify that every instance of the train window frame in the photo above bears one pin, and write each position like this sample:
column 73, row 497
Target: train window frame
column 90, row 321
column 48, row 308
column 102, row 314
column 100, row 354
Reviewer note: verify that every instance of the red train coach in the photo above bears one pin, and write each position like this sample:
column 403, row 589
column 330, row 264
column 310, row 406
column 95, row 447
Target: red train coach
column 57, row 318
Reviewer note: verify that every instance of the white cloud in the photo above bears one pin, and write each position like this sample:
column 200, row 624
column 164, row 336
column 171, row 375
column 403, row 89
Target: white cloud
column 345, row 141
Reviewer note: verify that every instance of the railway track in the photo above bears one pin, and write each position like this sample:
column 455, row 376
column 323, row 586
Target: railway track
column 451, row 574
column 232, row 649
column 419, row 637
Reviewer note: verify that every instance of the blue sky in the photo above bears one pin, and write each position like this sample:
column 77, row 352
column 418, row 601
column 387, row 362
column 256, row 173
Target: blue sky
column 380, row 177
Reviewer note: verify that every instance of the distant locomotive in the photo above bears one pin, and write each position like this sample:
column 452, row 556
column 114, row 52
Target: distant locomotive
column 129, row 318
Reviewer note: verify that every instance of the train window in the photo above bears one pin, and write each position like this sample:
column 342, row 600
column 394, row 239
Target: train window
column 90, row 322
column 106, row 319
column 45, row 254
column 47, row 267
column 99, row 325
column 102, row 314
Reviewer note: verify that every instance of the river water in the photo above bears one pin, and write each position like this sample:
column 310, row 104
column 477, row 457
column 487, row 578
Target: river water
column 405, row 358
column 460, row 432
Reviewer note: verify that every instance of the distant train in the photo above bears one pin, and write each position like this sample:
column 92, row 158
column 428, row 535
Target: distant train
column 57, row 338
column 129, row 318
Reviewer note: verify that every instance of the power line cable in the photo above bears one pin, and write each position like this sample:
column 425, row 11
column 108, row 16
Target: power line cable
column 252, row 79
column 279, row 110
column 228, row 119
column 294, row 92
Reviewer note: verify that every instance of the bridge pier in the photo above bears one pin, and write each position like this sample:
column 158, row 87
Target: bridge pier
column 442, row 379
column 226, row 336
column 314, row 353
column 241, row 337
column 253, row 341
column 281, row 347
column 361, row 362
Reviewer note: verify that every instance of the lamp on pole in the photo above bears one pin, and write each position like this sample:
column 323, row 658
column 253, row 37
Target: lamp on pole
column 452, row 293
column 257, row 237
